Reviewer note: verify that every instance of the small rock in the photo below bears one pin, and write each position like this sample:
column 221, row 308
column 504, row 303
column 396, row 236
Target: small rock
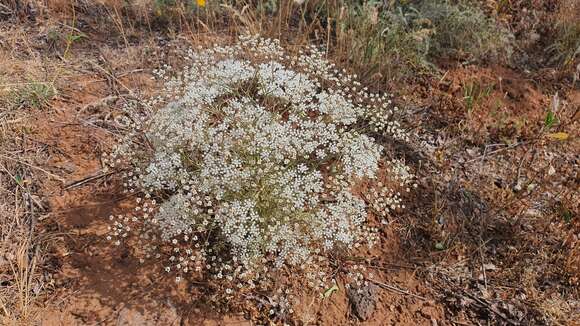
column 363, row 301
column 68, row 167
column 534, row 37
column 489, row 267
column 473, row 152
column 131, row 317
column 533, row 212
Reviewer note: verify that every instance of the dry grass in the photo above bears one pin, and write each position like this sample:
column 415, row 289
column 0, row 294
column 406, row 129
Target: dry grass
column 19, row 247
column 565, row 48
column 17, row 299
column 380, row 41
column 25, row 88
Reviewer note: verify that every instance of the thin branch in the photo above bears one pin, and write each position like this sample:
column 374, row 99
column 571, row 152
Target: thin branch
column 90, row 178
column 397, row 290
column 34, row 167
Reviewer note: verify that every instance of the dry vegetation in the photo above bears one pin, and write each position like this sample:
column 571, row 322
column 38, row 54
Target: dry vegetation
column 490, row 88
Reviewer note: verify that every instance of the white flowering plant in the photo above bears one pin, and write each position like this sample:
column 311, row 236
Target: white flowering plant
column 248, row 168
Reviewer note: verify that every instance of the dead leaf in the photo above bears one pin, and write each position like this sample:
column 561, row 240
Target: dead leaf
column 558, row 135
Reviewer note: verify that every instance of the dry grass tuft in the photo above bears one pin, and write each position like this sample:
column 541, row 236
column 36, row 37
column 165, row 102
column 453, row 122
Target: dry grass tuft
column 565, row 49
column 19, row 247
column 20, row 251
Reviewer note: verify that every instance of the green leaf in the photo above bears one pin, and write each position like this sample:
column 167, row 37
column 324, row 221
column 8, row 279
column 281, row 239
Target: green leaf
column 550, row 119
column 19, row 180
column 439, row 246
column 329, row 292
column 75, row 37
column 567, row 216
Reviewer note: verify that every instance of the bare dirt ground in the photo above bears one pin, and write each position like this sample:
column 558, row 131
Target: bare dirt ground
column 489, row 237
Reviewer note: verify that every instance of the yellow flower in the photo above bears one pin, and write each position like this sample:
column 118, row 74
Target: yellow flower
column 200, row 3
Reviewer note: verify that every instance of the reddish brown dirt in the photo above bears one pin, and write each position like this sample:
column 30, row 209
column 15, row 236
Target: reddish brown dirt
column 497, row 102
column 98, row 283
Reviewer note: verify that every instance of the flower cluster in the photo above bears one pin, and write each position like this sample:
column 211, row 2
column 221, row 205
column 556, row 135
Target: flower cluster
column 247, row 164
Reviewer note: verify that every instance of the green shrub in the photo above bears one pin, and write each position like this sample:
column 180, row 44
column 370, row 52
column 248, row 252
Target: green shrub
column 463, row 31
column 34, row 94
column 406, row 37
column 386, row 42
